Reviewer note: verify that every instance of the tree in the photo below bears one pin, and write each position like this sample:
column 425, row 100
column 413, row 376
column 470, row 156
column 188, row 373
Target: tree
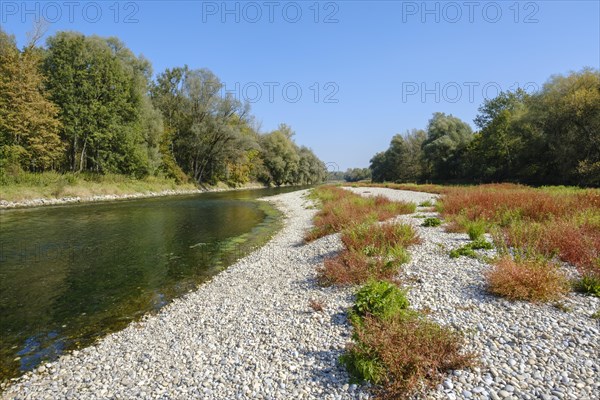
column 280, row 155
column 207, row 127
column 445, row 146
column 402, row 161
column 500, row 141
column 378, row 167
column 567, row 111
column 99, row 87
column 29, row 125
column 357, row 174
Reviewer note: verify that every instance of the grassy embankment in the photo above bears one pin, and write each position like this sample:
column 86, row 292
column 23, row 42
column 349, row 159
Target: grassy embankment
column 24, row 186
column 535, row 230
column 394, row 347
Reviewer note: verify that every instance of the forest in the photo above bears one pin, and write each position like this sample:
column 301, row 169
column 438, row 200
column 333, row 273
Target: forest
column 87, row 104
column 551, row 137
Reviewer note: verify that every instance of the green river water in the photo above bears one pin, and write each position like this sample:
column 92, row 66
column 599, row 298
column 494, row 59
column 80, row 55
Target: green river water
column 71, row 274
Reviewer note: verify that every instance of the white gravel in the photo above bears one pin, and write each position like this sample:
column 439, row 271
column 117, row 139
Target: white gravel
column 526, row 351
column 250, row 333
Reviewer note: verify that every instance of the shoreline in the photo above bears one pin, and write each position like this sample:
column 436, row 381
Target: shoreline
column 49, row 201
column 249, row 332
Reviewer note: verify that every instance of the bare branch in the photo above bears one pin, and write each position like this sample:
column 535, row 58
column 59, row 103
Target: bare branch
column 40, row 27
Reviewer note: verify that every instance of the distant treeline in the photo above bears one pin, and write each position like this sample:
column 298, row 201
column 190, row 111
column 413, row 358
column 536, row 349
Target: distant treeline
column 551, row 137
column 88, row 104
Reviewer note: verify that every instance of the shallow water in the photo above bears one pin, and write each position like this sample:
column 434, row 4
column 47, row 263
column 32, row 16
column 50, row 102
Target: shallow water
column 71, row 274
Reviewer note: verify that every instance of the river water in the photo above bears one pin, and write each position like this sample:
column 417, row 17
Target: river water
column 71, row 274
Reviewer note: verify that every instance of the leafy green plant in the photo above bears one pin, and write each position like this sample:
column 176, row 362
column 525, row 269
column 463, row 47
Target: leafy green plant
column 596, row 315
column 481, row 244
column 476, row 229
column 589, row 284
column 430, row 222
column 381, row 299
column 468, row 250
column 426, row 203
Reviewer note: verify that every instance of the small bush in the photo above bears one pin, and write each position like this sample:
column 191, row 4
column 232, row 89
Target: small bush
column 379, row 239
column 596, row 315
column 527, row 279
column 476, row 229
column 382, row 299
column 468, row 250
column 589, row 284
column 403, row 353
column 465, row 250
column 431, row 222
column 426, row 203
column 481, row 244
column 356, row 267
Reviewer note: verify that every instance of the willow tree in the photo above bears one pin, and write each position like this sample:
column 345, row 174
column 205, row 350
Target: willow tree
column 445, row 146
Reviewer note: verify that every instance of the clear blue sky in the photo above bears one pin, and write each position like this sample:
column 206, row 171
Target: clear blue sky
column 382, row 67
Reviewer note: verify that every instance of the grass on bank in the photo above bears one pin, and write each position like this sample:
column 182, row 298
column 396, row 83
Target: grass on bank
column 527, row 279
column 25, row 185
column 537, row 225
column 341, row 209
column 393, row 347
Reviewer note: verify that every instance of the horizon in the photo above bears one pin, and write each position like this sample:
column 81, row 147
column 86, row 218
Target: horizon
column 337, row 71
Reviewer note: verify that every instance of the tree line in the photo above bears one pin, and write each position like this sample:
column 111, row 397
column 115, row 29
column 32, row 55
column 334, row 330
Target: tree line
column 88, row 104
column 551, row 137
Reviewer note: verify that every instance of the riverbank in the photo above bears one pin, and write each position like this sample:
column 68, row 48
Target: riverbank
column 251, row 332
column 63, row 200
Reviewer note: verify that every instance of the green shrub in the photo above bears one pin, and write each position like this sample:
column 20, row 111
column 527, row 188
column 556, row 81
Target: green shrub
column 589, row 284
column 481, row 243
column 476, row 229
column 381, row 299
column 431, row 222
column 426, row 203
column 468, row 250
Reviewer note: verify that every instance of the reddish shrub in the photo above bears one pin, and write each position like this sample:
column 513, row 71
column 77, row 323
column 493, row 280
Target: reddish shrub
column 404, row 353
column 533, row 280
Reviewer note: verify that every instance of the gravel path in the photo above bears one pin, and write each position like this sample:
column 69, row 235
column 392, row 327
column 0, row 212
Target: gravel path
column 247, row 334
column 250, row 332
column 527, row 351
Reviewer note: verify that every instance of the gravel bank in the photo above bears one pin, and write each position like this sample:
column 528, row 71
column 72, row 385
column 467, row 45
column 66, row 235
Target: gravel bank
column 527, row 351
column 247, row 334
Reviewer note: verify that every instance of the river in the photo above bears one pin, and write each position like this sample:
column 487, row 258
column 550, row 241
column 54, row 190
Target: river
column 71, row 274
